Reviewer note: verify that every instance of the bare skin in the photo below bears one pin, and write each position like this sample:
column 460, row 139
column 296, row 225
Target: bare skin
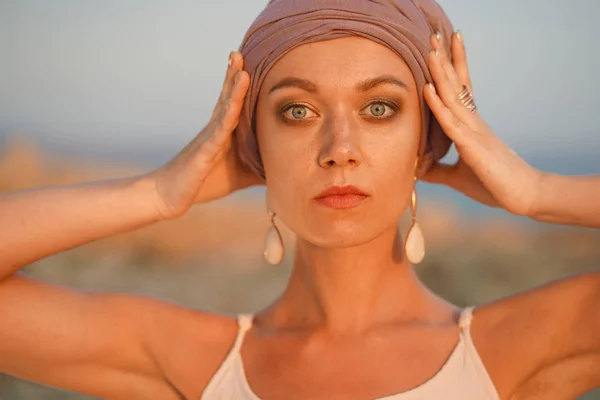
column 488, row 171
column 353, row 300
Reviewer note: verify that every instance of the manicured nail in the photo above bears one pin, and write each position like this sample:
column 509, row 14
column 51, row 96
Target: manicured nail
column 432, row 88
column 438, row 36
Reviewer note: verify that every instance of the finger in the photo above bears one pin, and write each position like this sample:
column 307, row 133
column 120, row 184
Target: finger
column 437, row 42
column 459, row 59
column 445, row 89
column 229, row 119
column 448, row 93
column 458, row 80
column 452, row 125
column 235, row 64
column 438, row 60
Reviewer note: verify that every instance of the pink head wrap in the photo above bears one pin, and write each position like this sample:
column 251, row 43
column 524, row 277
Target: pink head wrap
column 404, row 26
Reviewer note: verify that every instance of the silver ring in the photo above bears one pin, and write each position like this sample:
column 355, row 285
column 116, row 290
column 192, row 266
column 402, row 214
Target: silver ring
column 467, row 99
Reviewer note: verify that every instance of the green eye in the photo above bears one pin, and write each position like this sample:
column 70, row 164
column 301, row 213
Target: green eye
column 381, row 109
column 378, row 109
column 298, row 112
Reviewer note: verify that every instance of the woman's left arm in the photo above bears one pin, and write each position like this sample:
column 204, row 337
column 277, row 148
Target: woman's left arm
column 488, row 171
column 544, row 342
column 554, row 331
column 572, row 200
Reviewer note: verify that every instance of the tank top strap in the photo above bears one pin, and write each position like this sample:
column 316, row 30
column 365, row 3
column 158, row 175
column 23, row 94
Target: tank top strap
column 465, row 320
column 245, row 321
column 232, row 358
column 244, row 325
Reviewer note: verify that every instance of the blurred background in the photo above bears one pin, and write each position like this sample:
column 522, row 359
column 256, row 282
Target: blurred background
column 93, row 90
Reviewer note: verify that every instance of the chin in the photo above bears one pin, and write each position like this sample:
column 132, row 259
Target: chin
column 340, row 241
column 341, row 233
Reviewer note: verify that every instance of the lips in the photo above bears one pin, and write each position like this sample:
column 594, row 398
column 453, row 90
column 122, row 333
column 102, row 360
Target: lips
column 341, row 197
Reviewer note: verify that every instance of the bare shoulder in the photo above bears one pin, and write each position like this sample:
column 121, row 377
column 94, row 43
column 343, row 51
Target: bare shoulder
column 551, row 330
column 188, row 345
column 108, row 345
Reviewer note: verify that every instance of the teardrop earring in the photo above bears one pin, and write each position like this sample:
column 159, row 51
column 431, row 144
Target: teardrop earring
column 414, row 246
column 273, row 243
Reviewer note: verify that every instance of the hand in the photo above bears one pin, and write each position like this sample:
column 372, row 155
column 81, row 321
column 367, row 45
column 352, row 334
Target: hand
column 487, row 171
column 208, row 168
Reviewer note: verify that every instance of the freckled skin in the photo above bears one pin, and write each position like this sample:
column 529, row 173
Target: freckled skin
column 354, row 320
column 378, row 156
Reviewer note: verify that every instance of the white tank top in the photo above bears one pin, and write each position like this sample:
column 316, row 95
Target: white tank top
column 462, row 377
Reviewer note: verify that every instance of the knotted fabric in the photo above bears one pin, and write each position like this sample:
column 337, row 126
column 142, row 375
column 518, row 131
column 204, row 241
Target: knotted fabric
column 404, row 26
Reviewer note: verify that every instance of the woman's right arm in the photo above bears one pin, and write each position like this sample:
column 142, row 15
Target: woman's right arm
column 105, row 344
column 38, row 222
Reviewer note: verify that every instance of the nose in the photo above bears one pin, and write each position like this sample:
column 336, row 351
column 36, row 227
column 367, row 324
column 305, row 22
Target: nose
column 341, row 145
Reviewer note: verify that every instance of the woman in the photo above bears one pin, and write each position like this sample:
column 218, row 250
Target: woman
column 339, row 130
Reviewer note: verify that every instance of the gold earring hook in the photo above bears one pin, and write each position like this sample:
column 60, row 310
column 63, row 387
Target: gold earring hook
column 414, row 193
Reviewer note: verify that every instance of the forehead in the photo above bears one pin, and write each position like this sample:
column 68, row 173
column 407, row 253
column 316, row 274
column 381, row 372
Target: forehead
column 340, row 62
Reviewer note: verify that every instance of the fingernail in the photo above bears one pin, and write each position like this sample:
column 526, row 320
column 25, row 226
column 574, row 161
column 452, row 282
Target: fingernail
column 437, row 52
column 230, row 60
column 459, row 35
column 438, row 36
column 236, row 78
column 432, row 88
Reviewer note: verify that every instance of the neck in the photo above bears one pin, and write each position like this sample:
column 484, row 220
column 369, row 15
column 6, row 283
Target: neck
column 351, row 289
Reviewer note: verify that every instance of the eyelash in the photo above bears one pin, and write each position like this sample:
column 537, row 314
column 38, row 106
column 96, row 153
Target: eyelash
column 392, row 105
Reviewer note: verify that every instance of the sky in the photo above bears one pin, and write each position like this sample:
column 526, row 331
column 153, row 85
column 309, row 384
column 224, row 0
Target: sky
column 139, row 78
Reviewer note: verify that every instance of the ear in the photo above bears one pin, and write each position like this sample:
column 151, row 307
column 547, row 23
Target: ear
column 424, row 163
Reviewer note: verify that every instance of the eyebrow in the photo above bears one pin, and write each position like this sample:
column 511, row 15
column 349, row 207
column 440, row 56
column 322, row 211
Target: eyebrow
column 363, row 86
column 299, row 83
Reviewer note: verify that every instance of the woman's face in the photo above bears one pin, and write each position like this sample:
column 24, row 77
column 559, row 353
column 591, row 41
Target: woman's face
column 337, row 113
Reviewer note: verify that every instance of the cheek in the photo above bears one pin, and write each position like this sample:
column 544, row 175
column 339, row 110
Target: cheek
column 285, row 164
column 393, row 165
column 394, row 154
column 274, row 150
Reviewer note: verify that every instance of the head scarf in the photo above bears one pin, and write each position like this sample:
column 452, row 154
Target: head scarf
column 404, row 26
